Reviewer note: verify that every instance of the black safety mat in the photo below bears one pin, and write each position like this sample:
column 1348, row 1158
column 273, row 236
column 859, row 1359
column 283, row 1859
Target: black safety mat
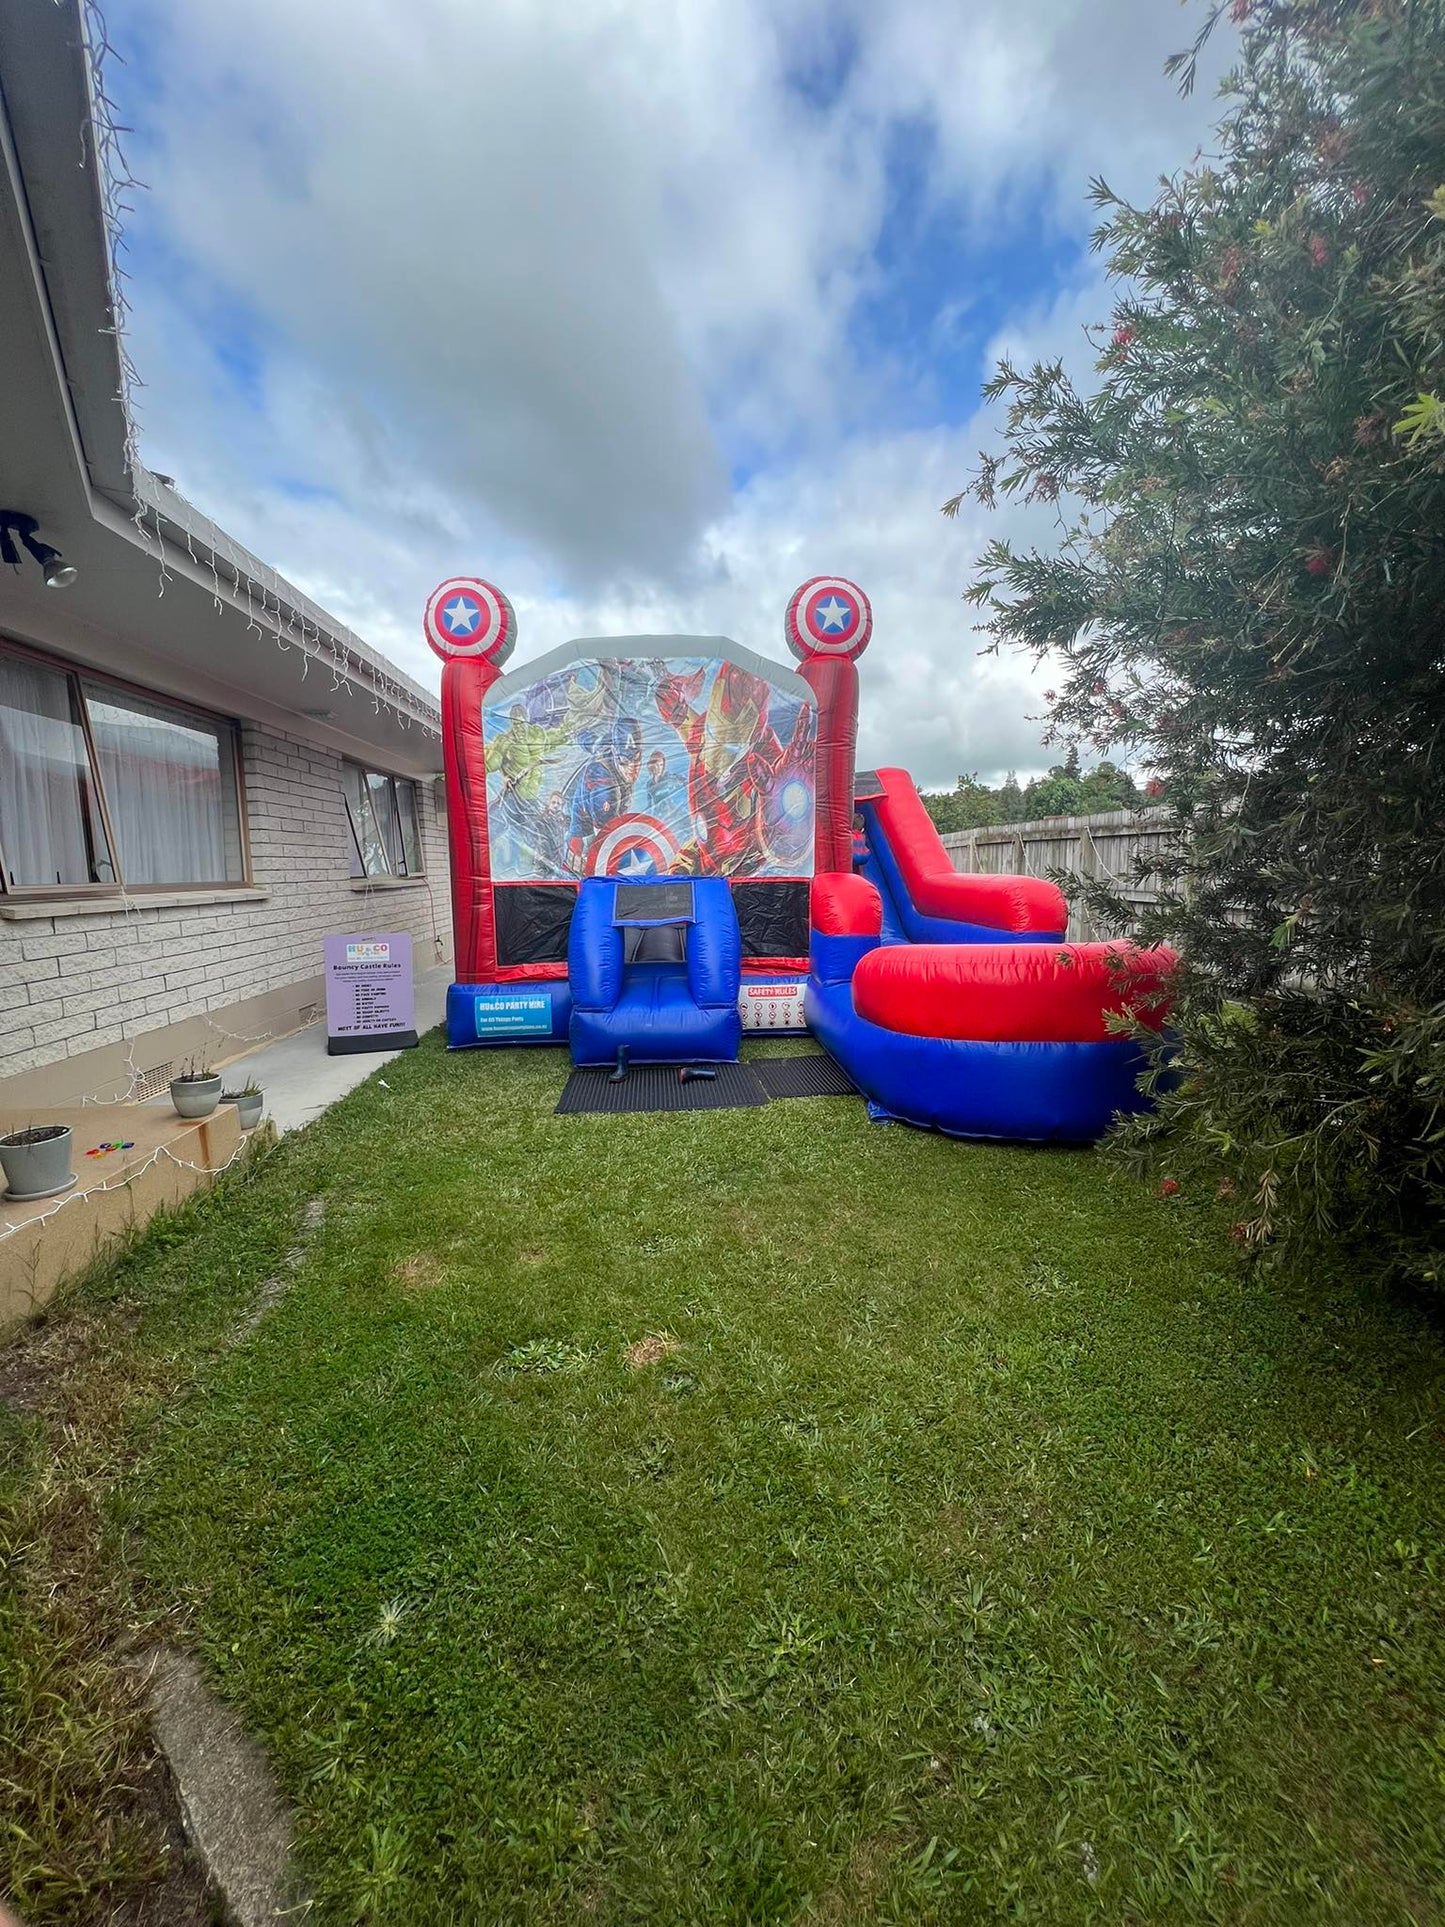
column 655, row 1087
column 813, row 1076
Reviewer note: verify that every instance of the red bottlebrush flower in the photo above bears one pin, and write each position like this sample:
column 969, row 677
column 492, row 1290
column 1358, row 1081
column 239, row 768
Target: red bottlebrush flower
column 1100, row 686
column 1154, row 788
column 1359, row 192
column 1319, row 250
column 1320, row 561
column 1169, row 1188
column 1049, row 696
column 1124, row 335
column 1240, row 11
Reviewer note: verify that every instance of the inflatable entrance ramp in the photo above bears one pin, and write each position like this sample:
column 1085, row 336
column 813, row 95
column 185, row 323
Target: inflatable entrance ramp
column 654, row 969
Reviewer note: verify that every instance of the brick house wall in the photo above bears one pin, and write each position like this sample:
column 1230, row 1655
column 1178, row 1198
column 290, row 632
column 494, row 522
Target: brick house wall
column 89, row 1000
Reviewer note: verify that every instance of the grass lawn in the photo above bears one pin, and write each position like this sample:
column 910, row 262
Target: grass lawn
column 978, row 1538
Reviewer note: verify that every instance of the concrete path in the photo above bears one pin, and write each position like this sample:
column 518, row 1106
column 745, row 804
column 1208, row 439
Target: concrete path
column 301, row 1081
column 234, row 1817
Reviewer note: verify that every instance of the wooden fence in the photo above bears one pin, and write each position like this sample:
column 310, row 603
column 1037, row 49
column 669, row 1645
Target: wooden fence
column 1104, row 847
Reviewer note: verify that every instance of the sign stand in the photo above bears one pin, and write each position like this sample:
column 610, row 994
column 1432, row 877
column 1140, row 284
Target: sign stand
column 370, row 1005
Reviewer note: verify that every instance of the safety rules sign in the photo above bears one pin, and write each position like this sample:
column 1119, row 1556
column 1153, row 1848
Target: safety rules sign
column 776, row 1005
column 369, row 1000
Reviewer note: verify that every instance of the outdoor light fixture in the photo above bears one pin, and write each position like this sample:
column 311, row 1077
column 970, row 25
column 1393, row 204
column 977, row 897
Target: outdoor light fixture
column 58, row 573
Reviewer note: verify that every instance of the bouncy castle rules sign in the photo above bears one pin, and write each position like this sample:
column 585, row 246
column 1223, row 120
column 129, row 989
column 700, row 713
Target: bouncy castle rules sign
column 369, row 1000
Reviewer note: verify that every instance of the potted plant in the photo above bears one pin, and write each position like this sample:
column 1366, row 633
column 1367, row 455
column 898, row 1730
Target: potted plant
column 197, row 1091
column 249, row 1100
column 37, row 1162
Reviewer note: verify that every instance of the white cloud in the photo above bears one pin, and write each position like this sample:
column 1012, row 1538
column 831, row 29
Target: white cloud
column 1030, row 97
column 526, row 279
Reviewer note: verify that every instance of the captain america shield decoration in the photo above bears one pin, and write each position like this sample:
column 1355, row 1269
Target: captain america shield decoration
column 634, row 846
column 828, row 616
column 468, row 617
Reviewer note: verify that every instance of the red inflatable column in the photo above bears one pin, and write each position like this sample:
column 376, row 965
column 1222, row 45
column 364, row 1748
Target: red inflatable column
column 464, row 689
column 828, row 626
column 834, row 681
column 471, row 625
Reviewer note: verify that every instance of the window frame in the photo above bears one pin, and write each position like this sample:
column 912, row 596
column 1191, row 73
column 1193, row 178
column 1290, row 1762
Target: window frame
column 76, row 676
column 368, row 774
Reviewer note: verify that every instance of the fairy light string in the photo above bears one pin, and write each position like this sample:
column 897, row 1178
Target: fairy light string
column 167, row 522
column 11, row 1228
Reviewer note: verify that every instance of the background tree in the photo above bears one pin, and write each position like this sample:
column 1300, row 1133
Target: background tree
column 969, row 806
column 1250, row 597
column 1065, row 791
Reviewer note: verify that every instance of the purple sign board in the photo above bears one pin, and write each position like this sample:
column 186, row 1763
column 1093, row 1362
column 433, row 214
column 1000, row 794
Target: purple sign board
column 369, row 1002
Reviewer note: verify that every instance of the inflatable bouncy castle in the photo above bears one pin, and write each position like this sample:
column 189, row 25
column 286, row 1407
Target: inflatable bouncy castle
column 659, row 843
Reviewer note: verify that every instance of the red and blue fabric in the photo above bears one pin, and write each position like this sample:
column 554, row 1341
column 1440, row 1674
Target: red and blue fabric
column 669, row 1009
column 953, row 1002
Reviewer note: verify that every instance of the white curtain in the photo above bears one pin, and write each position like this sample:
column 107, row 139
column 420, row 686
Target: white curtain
column 168, row 787
column 44, row 782
column 365, row 822
column 410, row 836
column 382, row 791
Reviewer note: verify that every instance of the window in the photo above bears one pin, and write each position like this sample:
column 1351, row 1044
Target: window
column 170, row 785
column 99, row 786
column 382, row 812
column 51, row 831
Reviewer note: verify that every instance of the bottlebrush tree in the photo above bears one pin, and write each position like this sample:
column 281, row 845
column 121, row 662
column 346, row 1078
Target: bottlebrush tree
column 1249, row 600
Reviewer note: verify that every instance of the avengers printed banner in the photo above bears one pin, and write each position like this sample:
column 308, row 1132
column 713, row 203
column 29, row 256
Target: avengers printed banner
column 649, row 765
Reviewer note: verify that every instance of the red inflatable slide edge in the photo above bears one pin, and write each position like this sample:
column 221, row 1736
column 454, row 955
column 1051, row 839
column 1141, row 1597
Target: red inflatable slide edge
column 1016, row 905
column 1013, row 993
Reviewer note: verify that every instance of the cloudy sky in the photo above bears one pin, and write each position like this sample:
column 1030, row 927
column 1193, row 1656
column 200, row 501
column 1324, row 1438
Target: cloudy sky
column 645, row 310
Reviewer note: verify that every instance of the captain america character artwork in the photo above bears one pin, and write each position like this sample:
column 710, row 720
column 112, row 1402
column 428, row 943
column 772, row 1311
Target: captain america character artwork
column 648, row 766
column 602, row 790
